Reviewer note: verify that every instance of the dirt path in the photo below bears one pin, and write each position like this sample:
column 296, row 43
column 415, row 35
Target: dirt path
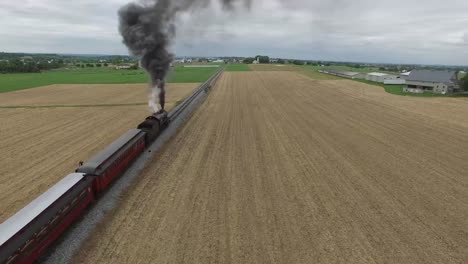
column 40, row 146
column 279, row 168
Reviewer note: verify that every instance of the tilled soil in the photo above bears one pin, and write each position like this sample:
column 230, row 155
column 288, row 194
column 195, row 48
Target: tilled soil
column 40, row 146
column 279, row 168
column 89, row 94
column 273, row 67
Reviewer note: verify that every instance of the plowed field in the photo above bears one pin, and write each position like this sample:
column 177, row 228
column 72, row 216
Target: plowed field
column 279, row 168
column 40, row 146
column 89, row 94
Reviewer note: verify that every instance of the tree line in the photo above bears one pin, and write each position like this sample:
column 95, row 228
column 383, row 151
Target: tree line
column 27, row 66
column 261, row 59
column 465, row 82
column 91, row 65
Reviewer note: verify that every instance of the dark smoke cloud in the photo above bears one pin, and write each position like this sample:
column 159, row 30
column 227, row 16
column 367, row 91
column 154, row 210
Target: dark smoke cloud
column 148, row 28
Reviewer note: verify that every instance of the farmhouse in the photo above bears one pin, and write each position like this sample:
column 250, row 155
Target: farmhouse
column 440, row 82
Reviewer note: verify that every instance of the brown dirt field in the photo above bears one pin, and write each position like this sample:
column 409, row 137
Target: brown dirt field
column 273, row 67
column 302, row 70
column 42, row 145
column 90, row 94
column 320, row 172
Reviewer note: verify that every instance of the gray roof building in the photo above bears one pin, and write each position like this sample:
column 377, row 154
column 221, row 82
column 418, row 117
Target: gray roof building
column 447, row 77
column 341, row 73
column 442, row 82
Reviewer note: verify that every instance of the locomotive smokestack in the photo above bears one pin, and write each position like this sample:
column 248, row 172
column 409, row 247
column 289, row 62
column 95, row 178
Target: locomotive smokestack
column 148, row 28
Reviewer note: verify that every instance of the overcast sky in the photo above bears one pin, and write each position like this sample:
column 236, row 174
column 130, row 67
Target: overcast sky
column 396, row 31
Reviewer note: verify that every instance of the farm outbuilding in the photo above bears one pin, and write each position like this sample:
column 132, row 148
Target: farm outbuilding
column 344, row 74
column 405, row 75
column 360, row 76
column 123, row 67
column 395, row 81
column 440, row 82
column 380, row 77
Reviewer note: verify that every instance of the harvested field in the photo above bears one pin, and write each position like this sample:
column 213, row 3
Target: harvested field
column 273, row 67
column 42, row 145
column 307, row 71
column 90, row 94
column 320, row 172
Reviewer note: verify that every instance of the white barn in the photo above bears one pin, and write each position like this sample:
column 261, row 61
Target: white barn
column 380, row 77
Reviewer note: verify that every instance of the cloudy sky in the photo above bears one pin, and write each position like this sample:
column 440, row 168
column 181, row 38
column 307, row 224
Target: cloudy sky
column 396, row 31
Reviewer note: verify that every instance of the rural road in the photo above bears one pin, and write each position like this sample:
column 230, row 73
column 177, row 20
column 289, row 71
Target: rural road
column 279, row 168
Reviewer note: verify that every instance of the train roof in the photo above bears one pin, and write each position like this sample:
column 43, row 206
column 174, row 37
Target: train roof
column 100, row 158
column 23, row 217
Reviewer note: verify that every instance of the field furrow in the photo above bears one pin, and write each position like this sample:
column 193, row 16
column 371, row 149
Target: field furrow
column 279, row 168
column 40, row 146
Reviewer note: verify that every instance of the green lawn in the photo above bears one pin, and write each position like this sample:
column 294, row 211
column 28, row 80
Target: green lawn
column 191, row 75
column 238, row 67
column 20, row 81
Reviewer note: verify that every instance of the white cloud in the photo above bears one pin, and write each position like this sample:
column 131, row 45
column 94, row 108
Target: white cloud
column 433, row 32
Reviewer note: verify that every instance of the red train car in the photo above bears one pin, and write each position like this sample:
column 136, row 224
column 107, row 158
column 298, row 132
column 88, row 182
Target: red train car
column 27, row 235
column 115, row 159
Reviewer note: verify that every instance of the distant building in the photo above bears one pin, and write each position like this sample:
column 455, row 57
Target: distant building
column 405, row 75
column 340, row 73
column 360, row 76
column 380, row 77
column 123, row 67
column 399, row 81
column 26, row 58
column 440, row 82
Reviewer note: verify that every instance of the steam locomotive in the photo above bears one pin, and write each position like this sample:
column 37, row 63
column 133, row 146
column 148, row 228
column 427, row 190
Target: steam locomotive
column 29, row 233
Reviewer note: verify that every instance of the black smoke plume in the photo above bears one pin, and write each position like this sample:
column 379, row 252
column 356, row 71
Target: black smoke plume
column 148, row 29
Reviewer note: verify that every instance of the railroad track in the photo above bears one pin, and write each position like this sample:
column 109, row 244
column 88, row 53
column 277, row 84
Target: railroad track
column 207, row 85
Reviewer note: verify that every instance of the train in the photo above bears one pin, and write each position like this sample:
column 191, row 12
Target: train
column 28, row 234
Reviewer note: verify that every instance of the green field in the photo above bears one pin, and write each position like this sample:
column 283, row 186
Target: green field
column 238, row 67
column 191, row 75
column 20, row 81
